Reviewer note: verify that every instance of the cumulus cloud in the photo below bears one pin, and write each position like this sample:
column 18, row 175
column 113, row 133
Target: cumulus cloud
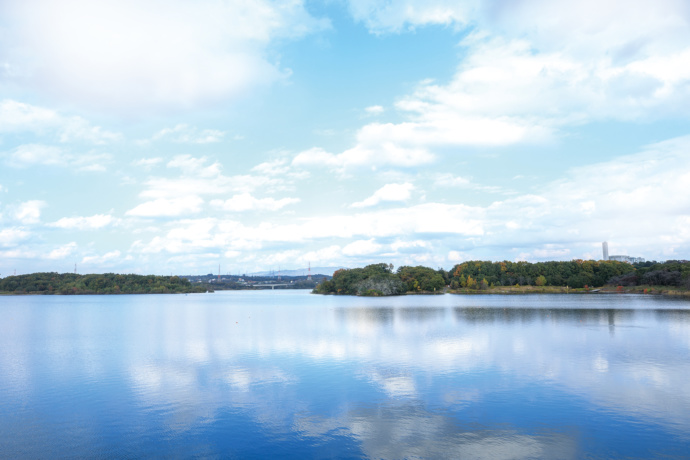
column 12, row 236
column 280, row 167
column 62, row 251
column 385, row 16
column 84, row 223
column 374, row 110
column 382, row 154
column 246, row 202
column 624, row 201
column 200, row 176
column 105, row 259
column 29, row 212
column 185, row 134
column 387, row 193
column 148, row 163
column 21, row 117
column 451, row 180
column 431, row 220
column 28, row 155
column 361, row 248
column 174, row 55
column 32, row 154
column 168, row 207
column 505, row 93
column 533, row 68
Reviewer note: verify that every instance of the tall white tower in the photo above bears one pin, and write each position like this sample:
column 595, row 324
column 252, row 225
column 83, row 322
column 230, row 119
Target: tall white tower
column 605, row 247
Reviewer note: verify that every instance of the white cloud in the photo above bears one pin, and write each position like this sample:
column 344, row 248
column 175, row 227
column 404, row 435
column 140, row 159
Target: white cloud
column 78, row 129
column 436, row 125
column 534, row 67
column 385, row 16
column 32, row 154
column 28, row 155
column 90, row 161
column 361, row 248
column 246, row 202
column 195, row 166
column 625, row 200
column 387, row 193
column 431, row 220
column 168, row 207
column 450, row 180
column 186, row 134
column 84, row 223
column 325, row 255
column 19, row 117
column 173, row 55
column 532, row 93
column 455, row 257
column 199, row 176
column 407, row 245
column 20, row 253
column 62, row 251
column 29, row 212
column 105, row 259
column 624, row 30
column 148, row 163
column 12, row 236
column 374, row 110
column 384, row 154
column 279, row 167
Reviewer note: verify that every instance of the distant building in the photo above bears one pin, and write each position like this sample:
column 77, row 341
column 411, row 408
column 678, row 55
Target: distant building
column 628, row 259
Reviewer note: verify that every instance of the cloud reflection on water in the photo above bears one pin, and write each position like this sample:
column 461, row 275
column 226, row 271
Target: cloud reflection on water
column 418, row 373
column 408, row 430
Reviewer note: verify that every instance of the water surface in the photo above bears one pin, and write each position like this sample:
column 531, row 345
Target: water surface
column 286, row 373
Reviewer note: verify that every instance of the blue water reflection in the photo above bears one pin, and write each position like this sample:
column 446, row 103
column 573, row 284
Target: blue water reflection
column 258, row 374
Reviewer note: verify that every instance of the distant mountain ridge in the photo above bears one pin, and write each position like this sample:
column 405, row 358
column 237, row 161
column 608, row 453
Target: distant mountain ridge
column 299, row 272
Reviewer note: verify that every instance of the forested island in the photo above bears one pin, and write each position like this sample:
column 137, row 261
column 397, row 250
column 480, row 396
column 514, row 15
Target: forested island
column 107, row 283
column 511, row 277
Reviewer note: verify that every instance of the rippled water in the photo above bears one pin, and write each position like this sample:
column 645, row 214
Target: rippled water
column 289, row 374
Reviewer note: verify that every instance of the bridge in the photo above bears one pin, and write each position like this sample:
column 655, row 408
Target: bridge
column 272, row 286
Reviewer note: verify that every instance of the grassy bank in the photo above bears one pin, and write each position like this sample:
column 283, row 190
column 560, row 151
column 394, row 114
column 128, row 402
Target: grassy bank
column 651, row 290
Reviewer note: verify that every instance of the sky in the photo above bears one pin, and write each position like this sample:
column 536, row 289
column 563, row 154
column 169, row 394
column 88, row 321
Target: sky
column 160, row 137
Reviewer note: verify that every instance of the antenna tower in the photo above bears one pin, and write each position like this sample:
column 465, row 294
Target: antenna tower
column 218, row 272
column 75, row 268
column 309, row 275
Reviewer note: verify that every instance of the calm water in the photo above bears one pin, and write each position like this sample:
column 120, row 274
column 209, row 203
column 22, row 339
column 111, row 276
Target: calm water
column 289, row 374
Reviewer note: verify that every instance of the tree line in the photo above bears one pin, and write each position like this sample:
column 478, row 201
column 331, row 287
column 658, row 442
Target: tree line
column 107, row 283
column 575, row 273
column 380, row 279
column 669, row 273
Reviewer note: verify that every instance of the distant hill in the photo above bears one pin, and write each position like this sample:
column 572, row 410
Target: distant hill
column 299, row 272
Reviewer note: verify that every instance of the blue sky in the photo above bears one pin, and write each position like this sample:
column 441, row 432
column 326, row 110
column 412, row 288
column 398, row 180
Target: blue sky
column 159, row 137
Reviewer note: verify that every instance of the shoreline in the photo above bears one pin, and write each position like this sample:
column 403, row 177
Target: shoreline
column 496, row 290
column 527, row 290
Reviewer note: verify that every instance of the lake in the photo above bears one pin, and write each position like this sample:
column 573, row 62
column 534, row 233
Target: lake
column 293, row 375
